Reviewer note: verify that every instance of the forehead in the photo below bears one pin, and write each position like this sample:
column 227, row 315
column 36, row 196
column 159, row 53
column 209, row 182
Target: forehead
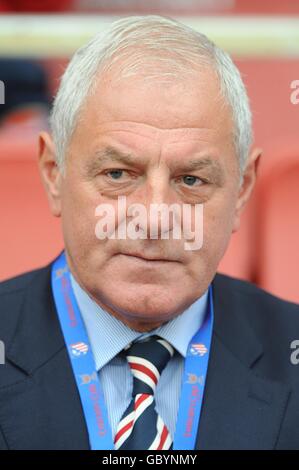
column 182, row 115
column 189, row 100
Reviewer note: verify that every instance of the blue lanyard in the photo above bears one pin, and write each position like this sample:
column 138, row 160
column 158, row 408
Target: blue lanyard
column 87, row 378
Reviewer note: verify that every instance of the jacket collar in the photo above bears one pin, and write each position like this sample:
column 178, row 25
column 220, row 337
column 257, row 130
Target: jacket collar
column 38, row 314
column 38, row 311
column 37, row 325
column 231, row 323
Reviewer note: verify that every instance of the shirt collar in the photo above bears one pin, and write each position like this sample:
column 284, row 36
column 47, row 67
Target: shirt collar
column 109, row 336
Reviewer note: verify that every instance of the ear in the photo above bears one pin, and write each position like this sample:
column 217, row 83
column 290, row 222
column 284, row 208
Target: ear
column 50, row 173
column 249, row 179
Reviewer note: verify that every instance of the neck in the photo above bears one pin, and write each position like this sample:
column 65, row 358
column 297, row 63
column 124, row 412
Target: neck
column 137, row 325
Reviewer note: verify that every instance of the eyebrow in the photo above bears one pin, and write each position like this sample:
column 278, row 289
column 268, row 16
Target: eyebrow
column 110, row 154
column 202, row 163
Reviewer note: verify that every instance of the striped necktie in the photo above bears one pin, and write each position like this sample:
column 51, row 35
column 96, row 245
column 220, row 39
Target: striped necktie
column 141, row 427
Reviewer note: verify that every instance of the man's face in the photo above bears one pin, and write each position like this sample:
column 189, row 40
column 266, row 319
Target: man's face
column 163, row 128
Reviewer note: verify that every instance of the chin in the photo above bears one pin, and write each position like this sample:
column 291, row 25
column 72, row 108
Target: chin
column 155, row 303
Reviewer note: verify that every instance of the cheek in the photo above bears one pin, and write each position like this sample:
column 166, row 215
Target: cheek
column 78, row 216
column 218, row 225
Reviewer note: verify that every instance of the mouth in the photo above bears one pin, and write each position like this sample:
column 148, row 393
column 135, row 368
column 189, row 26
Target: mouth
column 147, row 259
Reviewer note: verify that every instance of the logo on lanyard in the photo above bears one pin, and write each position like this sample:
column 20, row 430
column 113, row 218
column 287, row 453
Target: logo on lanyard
column 86, row 379
column 200, row 349
column 194, row 379
column 79, row 349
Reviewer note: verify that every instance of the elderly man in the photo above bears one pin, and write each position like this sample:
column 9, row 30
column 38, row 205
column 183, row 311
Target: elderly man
column 129, row 339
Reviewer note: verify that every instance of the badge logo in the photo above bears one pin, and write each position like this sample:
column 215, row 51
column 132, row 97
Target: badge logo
column 194, row 379
column 198, row 349
column 79, row 349
column 87, row 378
column 61, row 272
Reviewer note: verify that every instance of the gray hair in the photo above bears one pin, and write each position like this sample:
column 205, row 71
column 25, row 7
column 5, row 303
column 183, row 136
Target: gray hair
column 139, row 39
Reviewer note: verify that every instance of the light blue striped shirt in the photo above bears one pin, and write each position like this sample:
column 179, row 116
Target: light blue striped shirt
column 109, row 336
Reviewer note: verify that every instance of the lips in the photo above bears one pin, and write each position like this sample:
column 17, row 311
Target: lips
column 148, row 258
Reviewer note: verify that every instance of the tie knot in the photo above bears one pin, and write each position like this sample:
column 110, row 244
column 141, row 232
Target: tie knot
column 147, row 359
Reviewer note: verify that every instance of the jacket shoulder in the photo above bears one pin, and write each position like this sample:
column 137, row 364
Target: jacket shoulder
column 247, row 288
column 18, row 283
column 13, row 292
column 272, row 317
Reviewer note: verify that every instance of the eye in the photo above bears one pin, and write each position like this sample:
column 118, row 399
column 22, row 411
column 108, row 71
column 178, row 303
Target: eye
column 115, row 174
column 190, row 180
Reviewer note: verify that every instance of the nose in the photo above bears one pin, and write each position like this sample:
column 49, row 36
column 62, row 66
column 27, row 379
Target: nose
column 160, row 212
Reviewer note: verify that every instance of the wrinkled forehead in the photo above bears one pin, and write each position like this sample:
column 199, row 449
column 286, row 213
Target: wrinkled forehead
column 174, row 116
column 165, row 101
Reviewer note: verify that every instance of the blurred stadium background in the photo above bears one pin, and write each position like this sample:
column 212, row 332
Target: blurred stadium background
column 36, row 41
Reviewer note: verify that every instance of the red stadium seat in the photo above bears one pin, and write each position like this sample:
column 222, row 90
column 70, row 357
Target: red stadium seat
column 240, row 259
column 29, row 235
column 278, row 229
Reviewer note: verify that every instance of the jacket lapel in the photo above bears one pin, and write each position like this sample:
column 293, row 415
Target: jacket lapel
column 241, row 408
column 42, row 407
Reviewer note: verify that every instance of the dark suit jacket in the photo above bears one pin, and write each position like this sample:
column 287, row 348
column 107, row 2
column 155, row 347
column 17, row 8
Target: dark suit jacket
column 252, row 390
